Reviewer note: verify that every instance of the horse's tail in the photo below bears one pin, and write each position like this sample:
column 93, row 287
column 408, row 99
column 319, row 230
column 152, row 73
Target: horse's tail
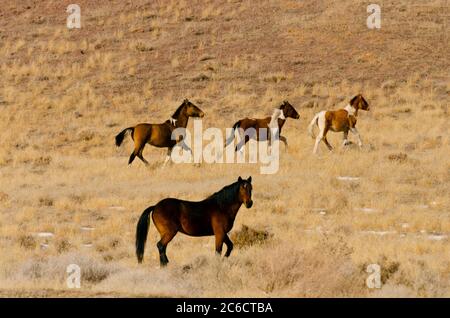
column 231, row 136
column 311, row 125
column 121, row 135
column 141, row 233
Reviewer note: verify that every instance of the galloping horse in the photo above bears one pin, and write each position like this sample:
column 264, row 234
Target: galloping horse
column 287, row 110
column 337, row 121
column 213, row 216
column 159, row 135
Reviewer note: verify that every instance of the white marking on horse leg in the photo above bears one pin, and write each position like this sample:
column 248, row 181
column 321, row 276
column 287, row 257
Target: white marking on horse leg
column 240, row 134
column 321, row 124
column 316, row 144
column 318, row 139
column 355, row 131
column 166, row 161
column 345, row 143
column 169, row 151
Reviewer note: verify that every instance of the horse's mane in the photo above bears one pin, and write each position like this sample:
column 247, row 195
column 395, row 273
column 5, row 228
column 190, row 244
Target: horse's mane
column 364, row 100
column 178, row 111
column 227, row 195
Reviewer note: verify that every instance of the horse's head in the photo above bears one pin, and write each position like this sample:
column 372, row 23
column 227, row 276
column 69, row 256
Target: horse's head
column 245, row 192
column 192, row 110
column 289, row 110
column 358, row 102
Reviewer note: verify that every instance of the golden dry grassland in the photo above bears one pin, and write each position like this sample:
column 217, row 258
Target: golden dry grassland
column 65, row 94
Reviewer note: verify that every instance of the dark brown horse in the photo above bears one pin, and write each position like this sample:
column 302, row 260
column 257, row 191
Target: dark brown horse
column 159, row 135
column 287, row 111
column 213, row 216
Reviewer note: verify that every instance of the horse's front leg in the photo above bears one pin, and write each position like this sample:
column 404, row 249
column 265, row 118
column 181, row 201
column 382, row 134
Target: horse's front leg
column 284, row 140
column 184, row 146
column 345, row 143
column 355, row 131
column 242, row 140
column 220, row 238
column 169, row 152
column 187, row 148
column 229, row 245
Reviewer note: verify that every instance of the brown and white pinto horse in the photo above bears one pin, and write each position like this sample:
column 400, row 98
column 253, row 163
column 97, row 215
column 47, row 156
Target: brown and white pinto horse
column 159, row 135
column 337, row 121
column 283, row 111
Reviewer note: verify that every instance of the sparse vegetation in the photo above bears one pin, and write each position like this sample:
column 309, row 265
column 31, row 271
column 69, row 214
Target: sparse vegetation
column 247, row 236
column 67, row 195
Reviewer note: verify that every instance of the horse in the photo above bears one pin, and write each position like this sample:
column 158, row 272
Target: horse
column 341, row 120
column 214, row 215
column 284, row 111
column 159, row 135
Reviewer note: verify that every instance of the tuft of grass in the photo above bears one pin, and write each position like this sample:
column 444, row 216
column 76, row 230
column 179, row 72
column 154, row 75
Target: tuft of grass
column 398, row 157
column 27, row 242
column 248, row 236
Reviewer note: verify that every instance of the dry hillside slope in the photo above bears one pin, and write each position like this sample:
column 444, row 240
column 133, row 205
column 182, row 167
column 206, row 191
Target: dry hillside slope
column 68, row 196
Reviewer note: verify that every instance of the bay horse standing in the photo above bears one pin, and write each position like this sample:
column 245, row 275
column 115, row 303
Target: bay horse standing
column 214, row 215
column 159, row 135
column 285, row 110
column 341, row 120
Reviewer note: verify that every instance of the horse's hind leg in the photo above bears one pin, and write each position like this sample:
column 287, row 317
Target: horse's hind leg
column 163, row 260
column 229, row 245
column 319, row 137
column 327, row 143
column 138, row 148
column 324, row 138
column 162, row 245
column 140, row 156
column 316, row 144
column 132, row 156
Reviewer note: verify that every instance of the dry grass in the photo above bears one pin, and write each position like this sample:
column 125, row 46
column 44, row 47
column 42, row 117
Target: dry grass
column 64, row 95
